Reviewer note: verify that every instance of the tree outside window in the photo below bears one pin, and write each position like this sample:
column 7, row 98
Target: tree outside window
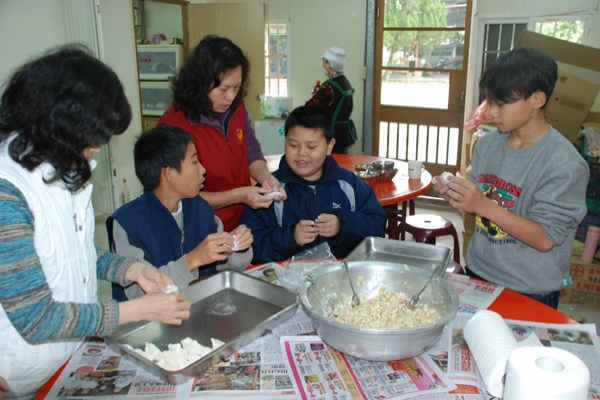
column 571, row 31
column 276, row 58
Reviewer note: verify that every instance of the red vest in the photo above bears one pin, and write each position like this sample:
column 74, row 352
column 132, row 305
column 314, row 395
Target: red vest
column 225, row 158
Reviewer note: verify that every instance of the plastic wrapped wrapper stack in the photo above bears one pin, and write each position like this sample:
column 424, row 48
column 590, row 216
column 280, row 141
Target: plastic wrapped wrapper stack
column 291, row 272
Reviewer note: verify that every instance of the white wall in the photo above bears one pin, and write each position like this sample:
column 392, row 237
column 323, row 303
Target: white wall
column 531, row 7
column 31, row 27
column 512, row 9
column 28, row 28
column 119, row 49
column 317, row 25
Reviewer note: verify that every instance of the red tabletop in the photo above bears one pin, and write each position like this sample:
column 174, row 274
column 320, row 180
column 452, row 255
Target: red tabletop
column 396, row 191
column 513, row 305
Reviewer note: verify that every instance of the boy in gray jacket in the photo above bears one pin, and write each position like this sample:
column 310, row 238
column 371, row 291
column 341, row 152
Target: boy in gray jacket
column 527, row 186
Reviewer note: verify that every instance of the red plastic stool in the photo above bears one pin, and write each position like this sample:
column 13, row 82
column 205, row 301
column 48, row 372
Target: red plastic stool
column 426, row 227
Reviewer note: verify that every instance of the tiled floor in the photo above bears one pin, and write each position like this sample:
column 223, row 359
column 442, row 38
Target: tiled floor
column 423, row 206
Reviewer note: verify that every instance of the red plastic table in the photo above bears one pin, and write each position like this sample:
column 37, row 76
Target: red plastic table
column 401, row 189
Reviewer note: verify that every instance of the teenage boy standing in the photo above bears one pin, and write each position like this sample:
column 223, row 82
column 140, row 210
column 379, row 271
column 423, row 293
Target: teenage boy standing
column 527, row 186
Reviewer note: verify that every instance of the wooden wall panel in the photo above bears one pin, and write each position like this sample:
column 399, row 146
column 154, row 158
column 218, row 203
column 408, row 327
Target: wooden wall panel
column 243, row 24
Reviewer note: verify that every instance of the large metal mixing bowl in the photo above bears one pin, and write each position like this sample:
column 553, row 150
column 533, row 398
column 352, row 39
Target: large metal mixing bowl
column 378, row 344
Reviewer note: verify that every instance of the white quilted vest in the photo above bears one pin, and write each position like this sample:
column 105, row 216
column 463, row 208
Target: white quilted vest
column 64, row 242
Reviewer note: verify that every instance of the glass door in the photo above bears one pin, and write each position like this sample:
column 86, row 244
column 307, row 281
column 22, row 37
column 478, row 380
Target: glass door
column 420, row 75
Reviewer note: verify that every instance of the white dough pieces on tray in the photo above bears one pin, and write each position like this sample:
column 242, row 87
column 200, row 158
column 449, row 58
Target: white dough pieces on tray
column 179, row 355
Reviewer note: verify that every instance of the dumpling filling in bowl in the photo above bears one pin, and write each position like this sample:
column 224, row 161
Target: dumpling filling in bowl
column 387, row 310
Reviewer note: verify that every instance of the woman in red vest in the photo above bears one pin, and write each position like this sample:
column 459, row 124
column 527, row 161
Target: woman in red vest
column 208, row 103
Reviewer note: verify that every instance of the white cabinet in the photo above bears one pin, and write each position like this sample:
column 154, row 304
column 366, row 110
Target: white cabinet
column 271, row 136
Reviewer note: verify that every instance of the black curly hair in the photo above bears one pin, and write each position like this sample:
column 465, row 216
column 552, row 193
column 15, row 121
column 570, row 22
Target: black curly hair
column 203, row 70
column 58, row 105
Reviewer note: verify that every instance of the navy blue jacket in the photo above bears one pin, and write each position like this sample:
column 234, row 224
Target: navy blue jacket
column 276, row 243
column 152, row 228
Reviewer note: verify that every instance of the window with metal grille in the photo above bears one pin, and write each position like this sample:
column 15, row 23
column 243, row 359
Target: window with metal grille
column 276, row 58
column 499, row 39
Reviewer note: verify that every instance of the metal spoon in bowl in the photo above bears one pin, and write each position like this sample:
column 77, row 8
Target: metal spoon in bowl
column 416, row 299
column 355, row 298
column 328, row 305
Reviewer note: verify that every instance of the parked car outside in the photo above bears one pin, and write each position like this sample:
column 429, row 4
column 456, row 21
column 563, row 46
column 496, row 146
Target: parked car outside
column 447, row 56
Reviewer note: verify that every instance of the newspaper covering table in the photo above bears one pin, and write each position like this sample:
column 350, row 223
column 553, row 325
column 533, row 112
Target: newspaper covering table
column 263, row 368
column 322, row 373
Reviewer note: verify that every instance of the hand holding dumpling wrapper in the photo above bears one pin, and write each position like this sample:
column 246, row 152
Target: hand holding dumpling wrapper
column 273, row 195
column 443, row 178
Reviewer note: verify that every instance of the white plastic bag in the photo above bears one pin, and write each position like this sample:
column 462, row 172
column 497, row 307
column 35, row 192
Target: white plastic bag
column 592, row 140
column 291, row 272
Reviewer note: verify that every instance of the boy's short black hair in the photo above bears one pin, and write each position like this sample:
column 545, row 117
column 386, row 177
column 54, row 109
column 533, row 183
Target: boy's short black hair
column 517, row 75
column 158, row 148
column 311, row 117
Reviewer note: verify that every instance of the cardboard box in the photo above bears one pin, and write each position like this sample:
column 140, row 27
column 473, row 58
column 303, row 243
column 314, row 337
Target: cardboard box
column 578, row 82
column 585, row 289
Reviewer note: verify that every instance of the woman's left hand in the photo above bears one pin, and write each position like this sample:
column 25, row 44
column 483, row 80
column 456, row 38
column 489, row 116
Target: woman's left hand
column 148, row 277
column 274, row 185
column 243, row 237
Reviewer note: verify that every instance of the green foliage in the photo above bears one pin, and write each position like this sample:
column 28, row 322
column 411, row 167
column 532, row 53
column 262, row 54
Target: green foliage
column 413, row 14
column 570, row 31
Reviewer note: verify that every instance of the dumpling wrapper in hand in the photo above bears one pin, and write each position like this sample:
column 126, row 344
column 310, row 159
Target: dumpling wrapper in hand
column 172, row 289
column 443, row 178
column 235, row 245
column 273, row 195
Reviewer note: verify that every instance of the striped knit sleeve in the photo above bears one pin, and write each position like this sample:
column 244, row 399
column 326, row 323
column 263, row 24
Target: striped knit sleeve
column 113, row 267
column 24, row 292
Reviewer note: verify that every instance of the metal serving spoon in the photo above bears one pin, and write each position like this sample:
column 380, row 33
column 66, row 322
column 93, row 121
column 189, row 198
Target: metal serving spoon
column 355, row 298
column 416, row 299
column 330, row 307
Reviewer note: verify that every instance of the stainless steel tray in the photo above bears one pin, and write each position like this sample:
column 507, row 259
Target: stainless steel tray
column 425, row 256
column 229, row 306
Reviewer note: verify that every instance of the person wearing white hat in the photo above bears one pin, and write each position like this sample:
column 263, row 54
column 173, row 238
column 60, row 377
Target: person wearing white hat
column 335, row 95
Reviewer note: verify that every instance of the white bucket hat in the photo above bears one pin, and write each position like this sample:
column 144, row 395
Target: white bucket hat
column 336, row 57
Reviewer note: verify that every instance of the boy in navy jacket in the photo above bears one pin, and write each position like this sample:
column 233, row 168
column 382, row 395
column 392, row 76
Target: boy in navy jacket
column 171, row 226
column 325, row 203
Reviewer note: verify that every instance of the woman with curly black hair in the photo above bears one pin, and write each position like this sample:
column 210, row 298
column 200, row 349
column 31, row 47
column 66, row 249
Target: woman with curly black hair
column 55, row 112
column 209, row 93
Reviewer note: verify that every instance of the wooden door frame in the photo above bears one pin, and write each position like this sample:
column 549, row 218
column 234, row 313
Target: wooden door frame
column 457, row 91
